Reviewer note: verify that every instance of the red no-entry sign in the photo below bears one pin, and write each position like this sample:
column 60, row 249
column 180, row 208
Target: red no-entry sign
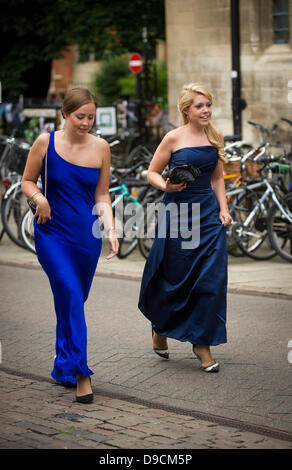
column 136, row 63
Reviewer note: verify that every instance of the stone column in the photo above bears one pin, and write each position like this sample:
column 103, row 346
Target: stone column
column 199, row 50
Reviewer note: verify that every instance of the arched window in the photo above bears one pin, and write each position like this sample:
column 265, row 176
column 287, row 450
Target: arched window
column 281, row 21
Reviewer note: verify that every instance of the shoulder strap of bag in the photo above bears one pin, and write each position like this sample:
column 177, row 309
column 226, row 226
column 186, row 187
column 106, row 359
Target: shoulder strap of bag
column 46, row 167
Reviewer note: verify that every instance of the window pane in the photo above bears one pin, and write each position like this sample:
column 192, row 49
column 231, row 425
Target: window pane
column 281, row 21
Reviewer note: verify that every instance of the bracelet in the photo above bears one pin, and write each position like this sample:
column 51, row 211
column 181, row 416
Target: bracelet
column 36, row 192
column 41, row 195
column 111, row 229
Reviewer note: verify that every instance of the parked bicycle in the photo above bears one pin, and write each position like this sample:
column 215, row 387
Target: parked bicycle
column 250, row 211
column 280, row 227
column 13, row 204
column 261, row 225
column 126, row 222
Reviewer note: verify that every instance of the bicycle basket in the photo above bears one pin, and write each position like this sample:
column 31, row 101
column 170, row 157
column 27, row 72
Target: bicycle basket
column 17, row 158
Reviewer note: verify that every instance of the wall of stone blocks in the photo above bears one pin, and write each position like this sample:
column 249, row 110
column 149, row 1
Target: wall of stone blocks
column 199, row 50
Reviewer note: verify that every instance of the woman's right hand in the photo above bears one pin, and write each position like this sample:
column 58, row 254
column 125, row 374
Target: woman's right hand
column 171, row 188
column 113, row 244
column 43, row 210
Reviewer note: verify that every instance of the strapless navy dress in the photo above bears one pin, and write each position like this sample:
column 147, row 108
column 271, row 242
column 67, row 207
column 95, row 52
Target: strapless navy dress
column 183, row 289
column 68, row 247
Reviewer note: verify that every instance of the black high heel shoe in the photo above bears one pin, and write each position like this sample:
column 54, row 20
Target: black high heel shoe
column 212, row 368
column 162, row 352
column 85, row 398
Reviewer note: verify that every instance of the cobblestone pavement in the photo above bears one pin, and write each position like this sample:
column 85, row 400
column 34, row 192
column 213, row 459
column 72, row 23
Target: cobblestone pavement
column 35, row 414
column 253, row 386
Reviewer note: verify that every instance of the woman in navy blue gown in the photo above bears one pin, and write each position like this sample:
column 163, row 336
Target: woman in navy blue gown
column 183, row 289
column 67, row 234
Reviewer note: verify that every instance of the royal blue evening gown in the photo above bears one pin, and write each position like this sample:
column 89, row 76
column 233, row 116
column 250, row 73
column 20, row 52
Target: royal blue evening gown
column 68, row 251
column 183, row 290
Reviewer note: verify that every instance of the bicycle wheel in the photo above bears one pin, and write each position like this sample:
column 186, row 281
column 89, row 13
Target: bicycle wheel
column 127, row 245
column 145, row 243
column 140, row 152
column 232, row 246
column 252, row 238
column 27, row 230
column 128, row 242
column 12, row 210
column 280, row 228
column 147, row 236
column 131, row 224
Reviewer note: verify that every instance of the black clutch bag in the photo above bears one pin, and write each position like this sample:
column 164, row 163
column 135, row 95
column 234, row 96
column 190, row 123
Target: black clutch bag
column 32, row 205
column 183, row 173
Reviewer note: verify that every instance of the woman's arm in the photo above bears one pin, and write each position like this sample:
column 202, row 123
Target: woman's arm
column 217, row 182
column 103, row 201
column 30, row 177
column 158, row 163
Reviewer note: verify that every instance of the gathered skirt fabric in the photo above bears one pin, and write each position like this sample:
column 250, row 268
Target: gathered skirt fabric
column 183, row 289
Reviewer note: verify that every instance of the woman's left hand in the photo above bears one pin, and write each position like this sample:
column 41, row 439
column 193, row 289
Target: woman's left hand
column 225, row 217
column 113, row 244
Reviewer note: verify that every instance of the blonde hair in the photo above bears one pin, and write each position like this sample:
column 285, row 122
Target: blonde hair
column 185, row 100
column 75, row 98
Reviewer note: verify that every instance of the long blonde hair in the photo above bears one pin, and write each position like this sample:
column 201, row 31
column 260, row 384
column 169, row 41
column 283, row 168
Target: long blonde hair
column 185, row 100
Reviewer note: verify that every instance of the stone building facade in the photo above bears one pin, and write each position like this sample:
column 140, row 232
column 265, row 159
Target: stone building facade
column 69, row 72
column 199, row 50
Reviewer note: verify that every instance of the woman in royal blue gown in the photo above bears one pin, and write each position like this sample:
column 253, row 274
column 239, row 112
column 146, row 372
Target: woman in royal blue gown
column 75, row 166
column 183, row 289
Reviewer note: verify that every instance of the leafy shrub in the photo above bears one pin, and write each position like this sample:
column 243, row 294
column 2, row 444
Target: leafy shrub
column 114, row 80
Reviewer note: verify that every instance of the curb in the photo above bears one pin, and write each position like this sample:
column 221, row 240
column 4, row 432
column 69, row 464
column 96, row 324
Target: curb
column 137, row 277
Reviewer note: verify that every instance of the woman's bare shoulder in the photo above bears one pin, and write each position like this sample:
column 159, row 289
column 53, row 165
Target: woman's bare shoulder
column 43, row 138
column 42, row 141
column 101, row 147
column 99, row 142
column 170, row 139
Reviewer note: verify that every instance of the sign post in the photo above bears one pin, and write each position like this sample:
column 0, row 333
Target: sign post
column 136, row 65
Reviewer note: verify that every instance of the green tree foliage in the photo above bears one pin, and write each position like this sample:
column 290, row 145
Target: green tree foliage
column 33, row 32
column 108, row 82
column 114, row 80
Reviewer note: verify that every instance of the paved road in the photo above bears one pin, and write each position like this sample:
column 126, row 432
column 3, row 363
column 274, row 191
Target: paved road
column 160, row 403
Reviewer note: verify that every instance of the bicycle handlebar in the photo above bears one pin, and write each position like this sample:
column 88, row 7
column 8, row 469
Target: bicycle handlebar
column 253, row 151
column 7, row 139
column 132, row 182
column 231, row 138
column 268, row 160
column 287, row 120
column 260, row 126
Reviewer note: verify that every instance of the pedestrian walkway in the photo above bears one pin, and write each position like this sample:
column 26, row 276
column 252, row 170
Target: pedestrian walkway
column 142, row 401
column 244, row 274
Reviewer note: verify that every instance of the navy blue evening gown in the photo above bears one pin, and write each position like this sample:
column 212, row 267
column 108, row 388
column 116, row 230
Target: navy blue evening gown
column 68, row 251
column 183, row 290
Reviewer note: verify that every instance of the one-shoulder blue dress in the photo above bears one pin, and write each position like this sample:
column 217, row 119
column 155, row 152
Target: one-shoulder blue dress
column 183, row 288
column 68, row 249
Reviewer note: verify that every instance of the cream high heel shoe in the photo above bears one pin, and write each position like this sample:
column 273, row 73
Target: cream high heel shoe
column 211, row 368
